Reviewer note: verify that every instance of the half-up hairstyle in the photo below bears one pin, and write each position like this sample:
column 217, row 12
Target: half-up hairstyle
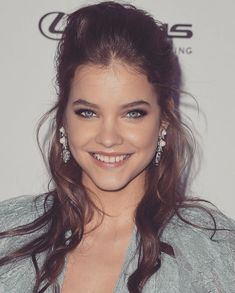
column 98, row 35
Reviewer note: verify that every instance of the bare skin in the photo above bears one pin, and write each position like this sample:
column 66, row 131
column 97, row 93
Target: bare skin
column 94, row 266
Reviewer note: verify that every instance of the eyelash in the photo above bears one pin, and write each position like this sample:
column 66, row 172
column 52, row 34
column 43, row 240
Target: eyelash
column 141, row 112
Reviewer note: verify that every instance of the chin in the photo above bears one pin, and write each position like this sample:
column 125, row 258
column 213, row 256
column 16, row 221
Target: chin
column 111, row 186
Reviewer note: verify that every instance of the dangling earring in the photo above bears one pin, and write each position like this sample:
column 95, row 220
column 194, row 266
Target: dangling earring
column 63, row 140
column 160, row 144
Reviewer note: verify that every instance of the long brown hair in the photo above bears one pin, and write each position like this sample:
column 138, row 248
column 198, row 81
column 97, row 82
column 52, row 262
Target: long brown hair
column 98, row 34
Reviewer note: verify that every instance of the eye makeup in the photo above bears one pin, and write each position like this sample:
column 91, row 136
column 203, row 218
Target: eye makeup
column 139, row 113
column 80, row 112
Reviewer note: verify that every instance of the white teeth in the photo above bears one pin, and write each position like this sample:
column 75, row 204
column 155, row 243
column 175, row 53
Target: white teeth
column 109, row 159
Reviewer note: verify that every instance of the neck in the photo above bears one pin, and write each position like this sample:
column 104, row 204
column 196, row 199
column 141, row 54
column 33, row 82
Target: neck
column 118, row 206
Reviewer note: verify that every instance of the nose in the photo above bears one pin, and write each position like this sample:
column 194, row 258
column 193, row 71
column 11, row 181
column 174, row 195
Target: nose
column 109, row 134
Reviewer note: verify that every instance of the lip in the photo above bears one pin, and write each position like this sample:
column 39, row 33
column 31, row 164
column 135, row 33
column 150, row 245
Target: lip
column 110, row 165
column 110, row 154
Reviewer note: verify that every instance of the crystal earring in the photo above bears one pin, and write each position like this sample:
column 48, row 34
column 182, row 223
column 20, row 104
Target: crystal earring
column 160, row 144
column 63, row 140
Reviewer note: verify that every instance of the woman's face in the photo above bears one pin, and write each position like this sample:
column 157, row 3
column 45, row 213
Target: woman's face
column 112, row 121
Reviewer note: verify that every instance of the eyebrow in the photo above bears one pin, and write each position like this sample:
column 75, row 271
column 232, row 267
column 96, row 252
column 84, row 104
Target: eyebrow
column 135, row 103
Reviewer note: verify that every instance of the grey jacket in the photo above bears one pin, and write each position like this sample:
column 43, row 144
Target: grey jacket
column 200, row 265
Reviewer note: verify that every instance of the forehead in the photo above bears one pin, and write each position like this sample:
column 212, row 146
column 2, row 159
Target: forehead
column 116, row 80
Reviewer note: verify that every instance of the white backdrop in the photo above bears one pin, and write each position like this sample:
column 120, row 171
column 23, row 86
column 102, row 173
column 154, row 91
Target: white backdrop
column 27, row 88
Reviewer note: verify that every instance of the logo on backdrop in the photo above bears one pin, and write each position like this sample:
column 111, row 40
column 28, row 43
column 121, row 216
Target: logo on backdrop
column 51, row 26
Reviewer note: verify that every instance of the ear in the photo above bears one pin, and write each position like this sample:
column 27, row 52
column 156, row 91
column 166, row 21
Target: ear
column 164, row 124
column 171, row 104
column 64, row 124
column 171, row 107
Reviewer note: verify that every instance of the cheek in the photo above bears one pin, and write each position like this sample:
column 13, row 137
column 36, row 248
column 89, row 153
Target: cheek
column 145, row 136
column 78, row 136
column 76, row 131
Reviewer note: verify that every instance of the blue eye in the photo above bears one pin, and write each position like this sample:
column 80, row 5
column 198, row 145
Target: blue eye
column 137, row 113
column 88, row 113
column 133, row 114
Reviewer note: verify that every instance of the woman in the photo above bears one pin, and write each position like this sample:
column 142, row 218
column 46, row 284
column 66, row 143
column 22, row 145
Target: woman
column 117, row 218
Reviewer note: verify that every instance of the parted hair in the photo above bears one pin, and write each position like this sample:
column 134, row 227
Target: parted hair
column 99, row 34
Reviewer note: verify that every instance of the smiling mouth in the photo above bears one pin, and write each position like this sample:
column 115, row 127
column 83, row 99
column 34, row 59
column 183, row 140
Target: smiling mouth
column 110, row 161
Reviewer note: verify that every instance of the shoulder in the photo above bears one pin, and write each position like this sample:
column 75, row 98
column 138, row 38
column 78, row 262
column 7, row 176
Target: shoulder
column 15, row 212
column 204, row 220
column 210, row 229
column 21, row 210
column 204, row 257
